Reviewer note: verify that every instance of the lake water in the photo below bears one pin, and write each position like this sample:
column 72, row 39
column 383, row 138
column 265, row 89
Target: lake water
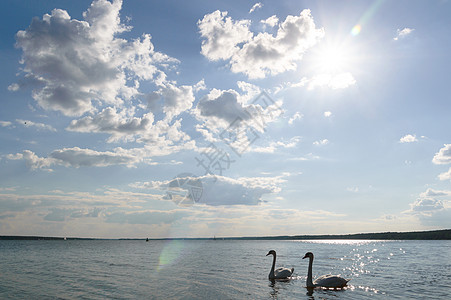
column 220, row 269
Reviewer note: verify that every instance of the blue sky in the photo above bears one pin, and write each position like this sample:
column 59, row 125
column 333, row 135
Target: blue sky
column 224, row 118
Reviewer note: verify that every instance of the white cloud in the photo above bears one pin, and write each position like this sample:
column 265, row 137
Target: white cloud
column 327, row 114
column 445, row 175
column 224, row 108
column 433, row 193
column 296, row 116
column 258, row 55
column 222, row 35
column 256, row 6
column 220, row 190
column 432, row 207
column 5, row 123
column 76, row 157
column 176, row 99
column 337, row 81
column 409, row 138
column 76, row 65
column 426, row 206
column 38, row 126
column 273, row 146
column 403, row 33
column 219, row 109
column 13, row 87
column 32, row 160
column 226, row 116
column 321, row 142
column 118, row 124
column 443, row 157
column 307, row 157
column 271, row 21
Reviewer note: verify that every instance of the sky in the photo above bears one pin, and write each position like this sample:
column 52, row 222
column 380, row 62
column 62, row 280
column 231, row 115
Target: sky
column 134, row 119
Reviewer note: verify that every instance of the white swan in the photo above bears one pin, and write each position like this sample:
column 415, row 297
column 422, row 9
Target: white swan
column 327, row 281
column 279, row 273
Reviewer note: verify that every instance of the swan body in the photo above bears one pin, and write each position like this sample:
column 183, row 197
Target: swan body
column 326, row 281
column 279, row 273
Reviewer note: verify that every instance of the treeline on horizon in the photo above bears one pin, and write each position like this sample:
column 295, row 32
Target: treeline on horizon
column 444, row 234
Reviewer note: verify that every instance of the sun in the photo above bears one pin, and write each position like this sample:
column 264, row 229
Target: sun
column 333, row 56
column 331, row 59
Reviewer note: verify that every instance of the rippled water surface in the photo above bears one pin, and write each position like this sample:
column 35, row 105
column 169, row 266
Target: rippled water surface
column 182, row 269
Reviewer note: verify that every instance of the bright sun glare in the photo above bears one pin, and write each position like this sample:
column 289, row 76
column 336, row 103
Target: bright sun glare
column 331, row 60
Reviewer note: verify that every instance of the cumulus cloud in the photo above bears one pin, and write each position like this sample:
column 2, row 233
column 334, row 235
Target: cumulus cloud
column 118, row 124
column 443, row 157
column 221, row 190
column 177, row 99
column 432, row 207
column 426, row 206
column 227, row 116
column 222, row 35
column 445, row 175
column 32, row 160
column 75, row 64
column 258, row 55
column 224, row 108
column 255, row 6
column 409, row 138
column 434, row 193
column 271, row 21
column 402, row 33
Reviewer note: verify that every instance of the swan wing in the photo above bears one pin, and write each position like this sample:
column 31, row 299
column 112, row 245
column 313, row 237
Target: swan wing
column 283, row 273
column 330, row 281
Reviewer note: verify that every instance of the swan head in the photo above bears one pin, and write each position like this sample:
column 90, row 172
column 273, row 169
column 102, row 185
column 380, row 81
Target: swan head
column 308, row 255
column 271, row 252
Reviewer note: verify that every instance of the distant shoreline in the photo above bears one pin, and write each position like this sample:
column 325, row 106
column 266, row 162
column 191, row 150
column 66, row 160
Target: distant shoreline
column 444, row 234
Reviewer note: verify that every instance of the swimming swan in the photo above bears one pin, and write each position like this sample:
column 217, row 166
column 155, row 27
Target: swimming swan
column 327, row 281
column 279, row 273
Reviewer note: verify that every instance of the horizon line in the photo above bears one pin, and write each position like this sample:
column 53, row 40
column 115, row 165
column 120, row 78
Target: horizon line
column 444, row 234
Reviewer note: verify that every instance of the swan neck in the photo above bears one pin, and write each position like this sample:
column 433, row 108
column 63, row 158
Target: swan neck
column 271, row 273
column 309, row 274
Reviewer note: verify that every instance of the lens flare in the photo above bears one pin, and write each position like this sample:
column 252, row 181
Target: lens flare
column 356, row 30
column 171, row 252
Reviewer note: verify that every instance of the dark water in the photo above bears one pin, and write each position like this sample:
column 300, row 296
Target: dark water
column 220, row 269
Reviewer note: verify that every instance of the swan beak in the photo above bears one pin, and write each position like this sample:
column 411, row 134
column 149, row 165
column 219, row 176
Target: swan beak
column 305, row 256
column 268, row 254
